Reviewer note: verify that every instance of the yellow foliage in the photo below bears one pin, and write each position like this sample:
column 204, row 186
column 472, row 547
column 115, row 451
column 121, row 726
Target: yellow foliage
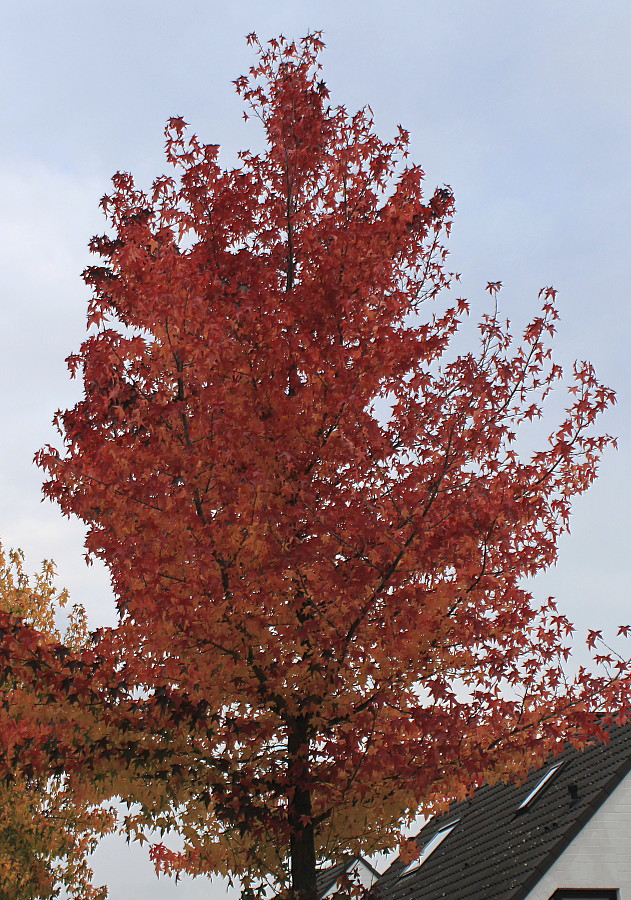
column 46, row 835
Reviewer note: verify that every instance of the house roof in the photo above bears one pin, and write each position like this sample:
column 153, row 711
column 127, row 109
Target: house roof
column 498, row 850
column 326, row 878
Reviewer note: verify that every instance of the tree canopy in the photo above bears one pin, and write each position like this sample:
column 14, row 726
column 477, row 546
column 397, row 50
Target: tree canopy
column 45, row 836
column 317, row 514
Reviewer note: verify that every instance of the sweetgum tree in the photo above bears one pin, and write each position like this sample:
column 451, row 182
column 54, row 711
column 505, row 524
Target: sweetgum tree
column 316, row 517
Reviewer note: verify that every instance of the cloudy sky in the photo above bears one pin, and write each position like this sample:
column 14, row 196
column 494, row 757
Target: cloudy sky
column 522, row 107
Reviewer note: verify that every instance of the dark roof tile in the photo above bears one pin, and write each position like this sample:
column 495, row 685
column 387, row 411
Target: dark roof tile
column 500, row 853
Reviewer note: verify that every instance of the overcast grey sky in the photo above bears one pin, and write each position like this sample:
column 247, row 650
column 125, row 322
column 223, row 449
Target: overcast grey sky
column 524, row 108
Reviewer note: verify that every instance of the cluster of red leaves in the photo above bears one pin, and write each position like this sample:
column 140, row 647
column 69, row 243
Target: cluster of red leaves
column 317, row 523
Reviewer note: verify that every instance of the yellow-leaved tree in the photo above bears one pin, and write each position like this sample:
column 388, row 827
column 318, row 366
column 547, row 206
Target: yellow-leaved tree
column 46, row 836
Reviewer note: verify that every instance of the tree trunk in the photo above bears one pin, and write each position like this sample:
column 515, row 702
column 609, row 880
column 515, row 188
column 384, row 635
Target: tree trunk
column 302, row 842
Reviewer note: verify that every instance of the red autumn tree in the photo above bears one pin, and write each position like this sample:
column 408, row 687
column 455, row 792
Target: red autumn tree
column 316, row 516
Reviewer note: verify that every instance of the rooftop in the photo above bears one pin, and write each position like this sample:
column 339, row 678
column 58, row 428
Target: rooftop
column 507, row 836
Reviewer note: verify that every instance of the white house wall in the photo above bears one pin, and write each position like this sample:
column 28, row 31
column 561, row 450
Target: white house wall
column 600, row 854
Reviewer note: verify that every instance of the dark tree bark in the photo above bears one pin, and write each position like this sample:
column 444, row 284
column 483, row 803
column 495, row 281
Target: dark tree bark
column 302, row 842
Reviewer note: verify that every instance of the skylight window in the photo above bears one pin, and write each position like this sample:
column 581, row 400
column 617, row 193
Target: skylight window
column 429, row 848
column 539, row 786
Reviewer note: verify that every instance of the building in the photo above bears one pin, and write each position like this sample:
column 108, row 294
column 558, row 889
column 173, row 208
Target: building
column 563, row 834
column 358, row 870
